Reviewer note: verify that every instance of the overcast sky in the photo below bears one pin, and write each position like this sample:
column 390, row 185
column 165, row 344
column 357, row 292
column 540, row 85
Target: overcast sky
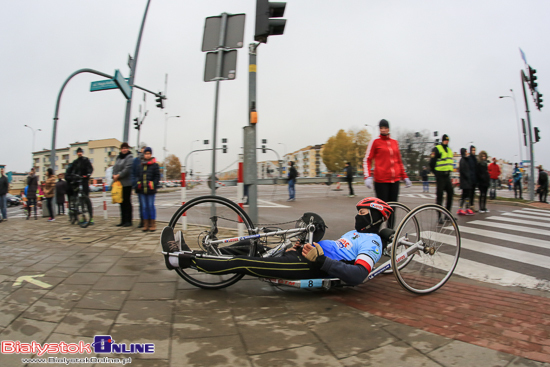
column 422, row 65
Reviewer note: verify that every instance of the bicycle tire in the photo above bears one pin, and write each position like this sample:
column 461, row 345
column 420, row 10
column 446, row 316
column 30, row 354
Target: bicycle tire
column 72, row 211
column 197, row 212
column 431, row 267
column 407, row 210
column 83, row 214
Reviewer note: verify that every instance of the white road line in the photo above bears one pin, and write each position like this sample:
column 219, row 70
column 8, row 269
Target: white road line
column 505, row 236
column 530, row 217
column 493, row 250
column 520, row 221
column 511, row 227
column 541, row 211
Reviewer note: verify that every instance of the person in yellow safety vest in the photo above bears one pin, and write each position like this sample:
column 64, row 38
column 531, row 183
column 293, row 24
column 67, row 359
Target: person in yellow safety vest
column 441, row 164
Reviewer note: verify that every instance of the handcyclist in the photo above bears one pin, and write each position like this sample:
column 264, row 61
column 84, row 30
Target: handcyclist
column 351, row 258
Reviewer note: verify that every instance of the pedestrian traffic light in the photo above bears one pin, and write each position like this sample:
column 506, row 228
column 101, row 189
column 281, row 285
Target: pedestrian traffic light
column 537, row 136
column 263, row 148
column 435, row 134
column 136, row 124
column 224, row 140
column 160, row 100
column 265, row 25
column 264, row 141
column 532, row 77
column 538, row 101
column 224, row 148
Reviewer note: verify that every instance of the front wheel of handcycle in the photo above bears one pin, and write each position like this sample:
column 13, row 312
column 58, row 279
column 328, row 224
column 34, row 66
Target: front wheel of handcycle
column 207, row 218
column 436, row 249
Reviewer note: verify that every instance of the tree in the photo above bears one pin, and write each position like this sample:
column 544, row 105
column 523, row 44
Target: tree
column 345, row 147
column 415, row 150
column 173, row 167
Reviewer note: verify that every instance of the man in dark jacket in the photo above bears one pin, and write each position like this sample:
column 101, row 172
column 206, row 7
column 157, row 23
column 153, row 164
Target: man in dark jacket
column 472, row 161
column 542, row 185
column 4, row 187
column 465, row 184
column 32, row 187
column 349, row 178
column 483, row 181
column 82, row 167
column 292, row 174
column 122, row 171
column 60, row 191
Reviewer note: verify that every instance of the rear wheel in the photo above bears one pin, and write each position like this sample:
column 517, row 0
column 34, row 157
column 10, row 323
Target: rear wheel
column 400, row 211
column 432, row 265
column 208, row 218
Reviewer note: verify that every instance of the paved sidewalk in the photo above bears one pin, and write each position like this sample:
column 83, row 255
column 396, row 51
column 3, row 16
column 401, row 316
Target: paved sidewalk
column 105, row 280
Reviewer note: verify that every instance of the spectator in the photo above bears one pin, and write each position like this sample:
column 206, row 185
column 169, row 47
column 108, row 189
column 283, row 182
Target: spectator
column 60, row 191
column 465, row 184
column 292, row 174
column 441, row 164
column 349, row 178
column 472, row 160
column 510, row 182
column 136, row 167
column 483, row 181
column 146, row 186
column 122, row 171
column 49, row 188
column 388, row 166
column 516, row 175
column 425, row 183
column 542, row 185
column 83, row 169
column 494, row 173
column 32, row 188
column 4, row 187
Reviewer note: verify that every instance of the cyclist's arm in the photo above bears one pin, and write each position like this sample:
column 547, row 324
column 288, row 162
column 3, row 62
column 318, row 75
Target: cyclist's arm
column 351, row 274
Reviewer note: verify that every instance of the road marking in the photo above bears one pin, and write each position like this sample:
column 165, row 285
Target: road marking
column 504, row 236
column 30, row 279
column 511, row 227
column 530, row 217
column 520, row 221
column 539, row 211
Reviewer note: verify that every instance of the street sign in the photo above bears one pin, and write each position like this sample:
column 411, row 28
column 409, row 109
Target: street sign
column 234, row 32
column 122, row 84
column 229, row 65
column 104, row 85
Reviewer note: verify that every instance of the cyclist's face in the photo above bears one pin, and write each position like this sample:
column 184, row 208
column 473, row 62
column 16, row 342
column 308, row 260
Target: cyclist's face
column 363, row 211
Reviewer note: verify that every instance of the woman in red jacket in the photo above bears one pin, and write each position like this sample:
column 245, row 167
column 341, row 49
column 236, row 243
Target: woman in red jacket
column 388, row 165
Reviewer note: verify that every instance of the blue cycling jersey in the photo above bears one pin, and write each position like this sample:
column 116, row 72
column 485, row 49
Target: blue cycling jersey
column 363, row 248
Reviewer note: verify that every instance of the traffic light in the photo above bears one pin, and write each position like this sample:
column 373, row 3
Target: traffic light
column 160, row 100
column 264, row 141
column 263, row 148
column 537, row 136
column 265, row 25
column 136, row 124
column 532, row 77
column 224, row 148
column 224, row 141
column 538, row 101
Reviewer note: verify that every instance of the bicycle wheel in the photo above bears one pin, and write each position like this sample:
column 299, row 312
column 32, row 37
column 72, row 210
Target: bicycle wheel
column 83, row 215
column 203, row 226
column 399, row 212
column 434, row 262
column 72, row 211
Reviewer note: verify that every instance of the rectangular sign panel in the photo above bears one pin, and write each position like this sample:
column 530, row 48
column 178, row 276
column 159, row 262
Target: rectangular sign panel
column 229, row 65
column 122, row 84
column 104, row 85
column 234, row 32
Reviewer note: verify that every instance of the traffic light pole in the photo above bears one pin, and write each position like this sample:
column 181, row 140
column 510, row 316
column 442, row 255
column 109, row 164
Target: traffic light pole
column 531, row 149
column 250, row 169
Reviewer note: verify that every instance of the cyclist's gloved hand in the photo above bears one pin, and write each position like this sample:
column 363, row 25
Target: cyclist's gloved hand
column 368, row 182
column 408, row 182
column 314, row 254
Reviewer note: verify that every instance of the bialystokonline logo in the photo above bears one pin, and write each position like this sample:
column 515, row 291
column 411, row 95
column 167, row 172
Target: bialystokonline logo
column 101, row 344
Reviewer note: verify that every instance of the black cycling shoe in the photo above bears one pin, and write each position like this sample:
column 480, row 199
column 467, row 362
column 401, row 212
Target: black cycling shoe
column 169, row 245
column 181, row 241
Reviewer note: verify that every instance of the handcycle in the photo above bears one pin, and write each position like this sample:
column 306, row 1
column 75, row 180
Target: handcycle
column 80, row 206
column 421, row 247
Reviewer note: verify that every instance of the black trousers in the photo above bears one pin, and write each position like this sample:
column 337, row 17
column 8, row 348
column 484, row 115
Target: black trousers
column 50, row 207
column 32, row 203
column 542, row 195
column 350, row 185
column 387, row 191
column 483, row 197
column 126, row 205
column 289, row 266
column 464, row 199
column 444, row 185
column 60, row 209
column 517, row 187
column 473, row 196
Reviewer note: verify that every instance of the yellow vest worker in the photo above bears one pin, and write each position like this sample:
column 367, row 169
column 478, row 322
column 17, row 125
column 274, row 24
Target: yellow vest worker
column 441, row 163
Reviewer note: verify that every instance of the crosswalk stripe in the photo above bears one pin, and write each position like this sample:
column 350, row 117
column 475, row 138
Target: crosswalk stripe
column 520, row 221
column 531, row 217
column 505, row 236
column 493, row 250
column 511, row 227
column 541, row 211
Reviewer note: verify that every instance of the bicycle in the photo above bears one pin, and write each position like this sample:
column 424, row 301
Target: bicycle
column 422, row 252
column 80, row 205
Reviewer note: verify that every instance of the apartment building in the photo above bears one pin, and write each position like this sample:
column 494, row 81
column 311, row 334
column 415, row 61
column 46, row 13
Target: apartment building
column 307, row 161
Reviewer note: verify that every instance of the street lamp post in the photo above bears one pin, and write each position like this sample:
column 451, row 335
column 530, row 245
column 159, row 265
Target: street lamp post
column 517, row 119
column 166, row 118
column 33, row 134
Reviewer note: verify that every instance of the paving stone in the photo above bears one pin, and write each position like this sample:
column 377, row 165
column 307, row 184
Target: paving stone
column 95, row 268
column 57, row 338
column 205, row 323
column 458, row 353
column 310, row 355
column 25, row 296
column 153, row 291
column 83, row 278
column 156, row 334
column 68, row 292
column 220, row 351
column 87, row 322
column 10, row 311
column 396, row 355
column 418, row 339
column 49, row 309
column 103, row 300
column 155, row 275
column 59, row 272
column 199, row 299
column 146, row 312
column 115, row 283
column 26, row 330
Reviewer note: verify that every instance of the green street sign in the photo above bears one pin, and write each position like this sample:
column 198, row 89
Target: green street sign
column 122, row 84
column 104, row 85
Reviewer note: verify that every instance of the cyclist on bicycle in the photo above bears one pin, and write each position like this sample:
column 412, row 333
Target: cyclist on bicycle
column 351, row 258
column 83, row 169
